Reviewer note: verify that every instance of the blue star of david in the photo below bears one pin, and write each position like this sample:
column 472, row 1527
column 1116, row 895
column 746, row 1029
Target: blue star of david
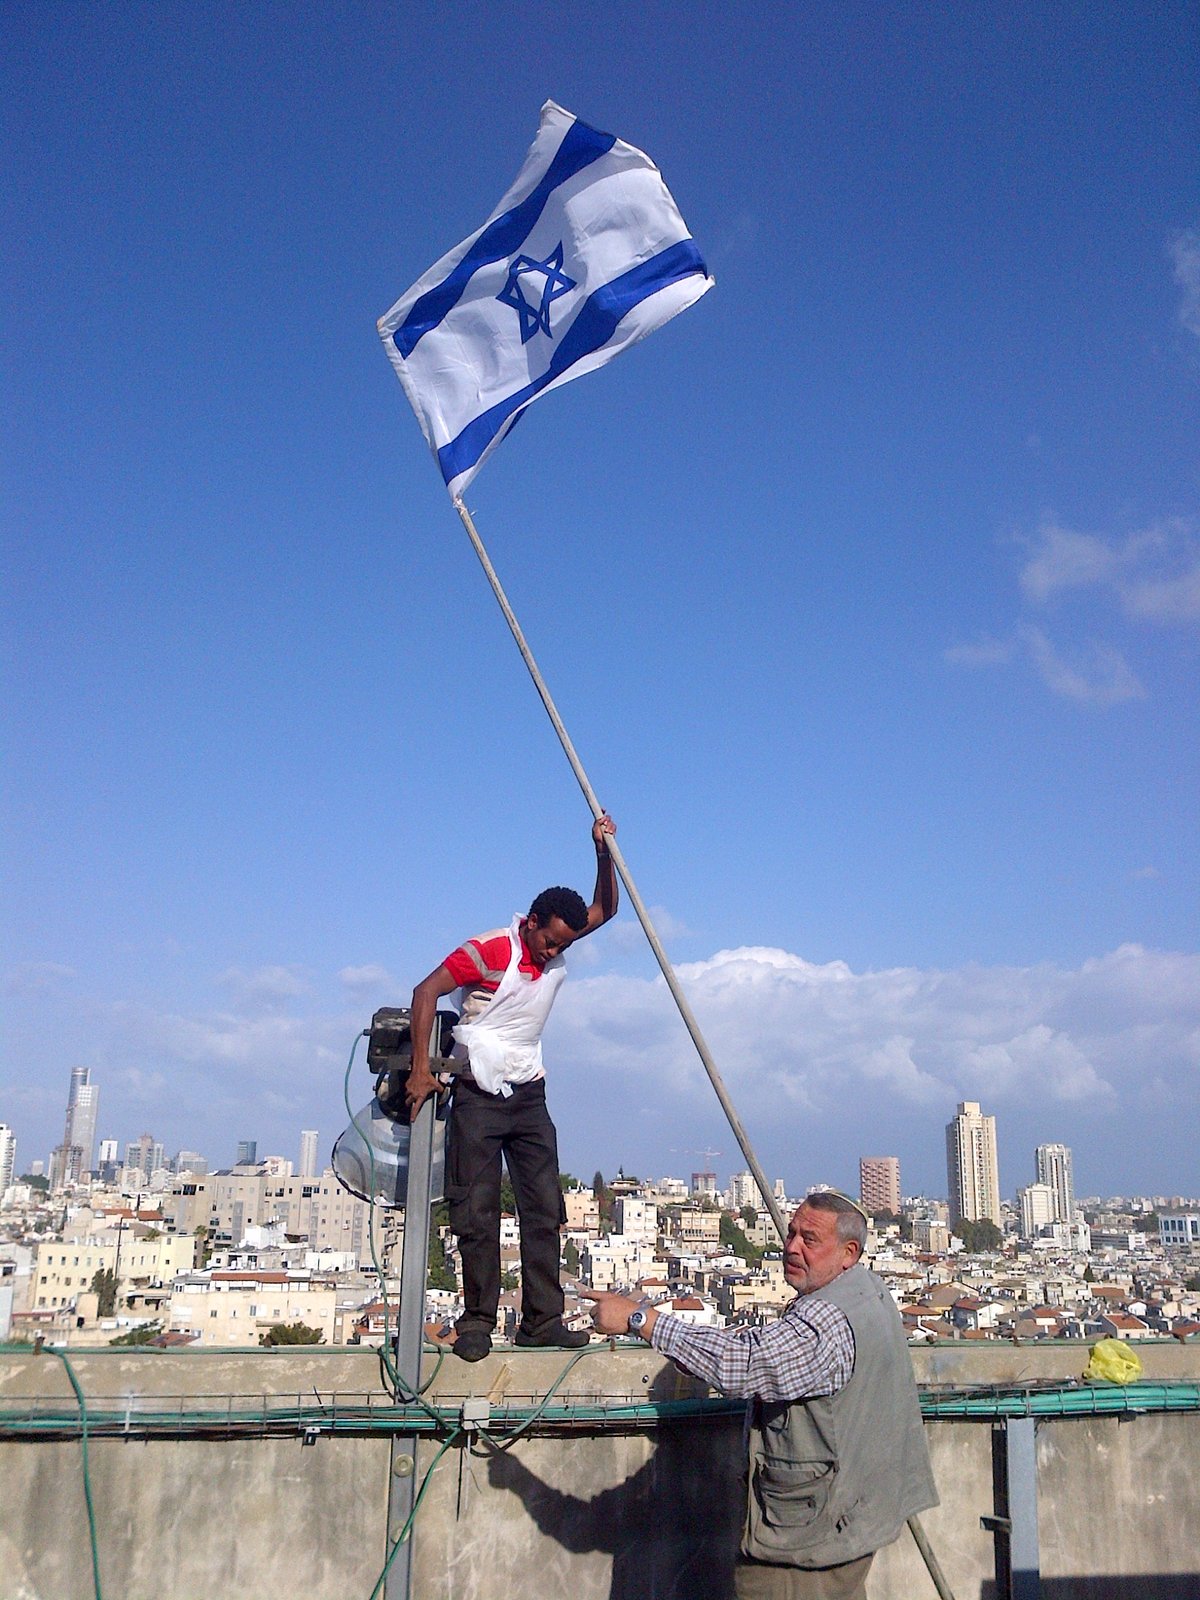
column 554, row 285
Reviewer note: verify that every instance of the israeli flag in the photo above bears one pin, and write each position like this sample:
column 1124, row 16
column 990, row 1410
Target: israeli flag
column 585, row 254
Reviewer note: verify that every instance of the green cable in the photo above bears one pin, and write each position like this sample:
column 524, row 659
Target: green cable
column 511, row 1438
column 406, row 1530
column 87, row 1478
column 399, row 1387
column 441, row 1356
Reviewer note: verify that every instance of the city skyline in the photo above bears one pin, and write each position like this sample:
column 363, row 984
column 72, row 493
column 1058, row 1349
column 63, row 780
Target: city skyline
column 970, row 1138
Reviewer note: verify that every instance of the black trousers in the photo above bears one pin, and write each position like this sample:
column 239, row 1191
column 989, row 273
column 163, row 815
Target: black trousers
column 483, row 1127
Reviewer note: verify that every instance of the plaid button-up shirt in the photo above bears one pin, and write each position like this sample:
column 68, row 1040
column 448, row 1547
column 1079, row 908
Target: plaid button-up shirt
column 808, row 1352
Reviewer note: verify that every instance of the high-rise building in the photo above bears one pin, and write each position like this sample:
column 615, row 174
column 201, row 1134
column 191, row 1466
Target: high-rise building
column 191, row 1161
column 879, row 1184
column 743, row 1191
column 83, row 1106
column 140, row 1154
column 73, row 1157
column 247, row 1153
column 108, row 1160
column 1037, row 1202
column 704, row 1183
column 972, row 1170
column 308, row 1152
column 8, row 1157
column 1054, row 1168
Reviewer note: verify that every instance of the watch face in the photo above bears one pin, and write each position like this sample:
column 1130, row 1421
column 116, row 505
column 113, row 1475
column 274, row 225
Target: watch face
column 637, row 1321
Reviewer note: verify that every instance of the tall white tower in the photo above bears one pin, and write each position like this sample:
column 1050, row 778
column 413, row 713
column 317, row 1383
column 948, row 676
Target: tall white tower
column 308, row 1152
column 73, row 1157
column 972, row 1170
column 8, row 1157
column 1054, row 1168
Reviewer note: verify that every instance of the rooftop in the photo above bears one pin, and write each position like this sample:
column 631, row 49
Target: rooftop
column 608, row 1474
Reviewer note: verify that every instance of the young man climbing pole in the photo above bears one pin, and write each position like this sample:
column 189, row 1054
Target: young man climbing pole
column 509, row 978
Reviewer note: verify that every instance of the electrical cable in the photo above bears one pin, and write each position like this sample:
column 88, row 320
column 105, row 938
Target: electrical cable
column 87, row 1476
column 511, row 1438
column 406, row 1530
column 398, row 1386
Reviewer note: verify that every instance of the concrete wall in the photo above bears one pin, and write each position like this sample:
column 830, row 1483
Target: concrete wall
column 651, row 1514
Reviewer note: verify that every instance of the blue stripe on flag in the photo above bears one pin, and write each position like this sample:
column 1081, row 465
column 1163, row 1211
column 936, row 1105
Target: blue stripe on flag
column 581, row 146
column 592, row 328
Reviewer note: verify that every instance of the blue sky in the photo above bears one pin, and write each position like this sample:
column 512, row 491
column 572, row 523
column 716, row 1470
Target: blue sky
column 869, row 588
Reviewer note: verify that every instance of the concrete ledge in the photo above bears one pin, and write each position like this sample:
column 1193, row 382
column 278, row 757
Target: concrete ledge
column 651, row 1513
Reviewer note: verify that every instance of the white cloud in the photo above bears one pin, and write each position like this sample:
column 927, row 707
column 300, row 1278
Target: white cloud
column 1185, row 257
column 823, row 1036
column 368, row 979
column 264, row 989
column 1100, row 676
column 983, row 653
column 1065, row 559
column 140, row 1084
column 1153, row 573
column 1167, row 599
column 31, row 977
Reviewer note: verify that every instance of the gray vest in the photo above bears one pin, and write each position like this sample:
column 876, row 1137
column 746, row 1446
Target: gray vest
column 837, row 1477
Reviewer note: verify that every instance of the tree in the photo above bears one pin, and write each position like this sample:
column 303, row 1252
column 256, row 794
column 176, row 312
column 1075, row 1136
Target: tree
column 143, row 1335
column 980, row 1236
column 104, row 1287
column 203, row 1247
column 1088, row 1275
column 1193, row 1284
column 749, row 1215
column 35, row 1180
column 440, row 1274
column 568, row 1181
column 292, row 1333
column 509, row 1280
column 571, row 1256
column 736, row 1242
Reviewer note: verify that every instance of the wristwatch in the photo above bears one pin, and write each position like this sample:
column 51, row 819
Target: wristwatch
column 637, row 1319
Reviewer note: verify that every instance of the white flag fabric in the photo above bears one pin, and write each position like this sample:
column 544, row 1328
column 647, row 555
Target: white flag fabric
column 584, row 255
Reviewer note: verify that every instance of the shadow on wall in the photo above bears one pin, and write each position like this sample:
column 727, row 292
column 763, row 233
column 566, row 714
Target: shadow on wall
column 669, row 1529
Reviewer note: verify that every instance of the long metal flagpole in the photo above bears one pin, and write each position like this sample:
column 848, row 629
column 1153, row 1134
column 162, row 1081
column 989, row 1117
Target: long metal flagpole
column 635, row 899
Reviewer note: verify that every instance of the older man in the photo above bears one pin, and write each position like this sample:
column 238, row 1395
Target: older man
column 838, row 1461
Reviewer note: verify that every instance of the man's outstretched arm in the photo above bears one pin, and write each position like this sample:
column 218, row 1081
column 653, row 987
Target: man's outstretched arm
column 606, row 894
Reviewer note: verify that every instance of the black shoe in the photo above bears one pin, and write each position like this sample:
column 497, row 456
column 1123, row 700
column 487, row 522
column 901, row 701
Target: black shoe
column 472, row 1346
column 554, row 1336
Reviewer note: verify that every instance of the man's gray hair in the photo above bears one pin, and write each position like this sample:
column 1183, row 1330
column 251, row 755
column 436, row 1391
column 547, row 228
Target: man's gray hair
column 851, row 1223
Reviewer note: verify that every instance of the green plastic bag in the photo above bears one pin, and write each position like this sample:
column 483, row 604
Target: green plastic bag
column 1112, row 1361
